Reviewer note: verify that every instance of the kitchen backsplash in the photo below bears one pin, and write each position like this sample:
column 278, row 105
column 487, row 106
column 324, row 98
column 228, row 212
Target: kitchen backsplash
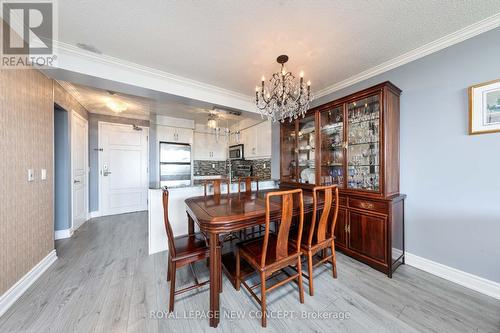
column 261, row 168
column 209, row 168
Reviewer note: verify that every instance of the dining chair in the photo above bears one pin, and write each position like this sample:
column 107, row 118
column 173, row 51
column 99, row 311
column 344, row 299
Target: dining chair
column 274, row 252
column 182, row 250
column 254, row 231
column 248, row 183
column 320, row 233
column 216, row 184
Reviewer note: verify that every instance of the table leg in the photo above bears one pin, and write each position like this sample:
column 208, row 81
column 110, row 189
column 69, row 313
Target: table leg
column 190, row 225
column 215, row 260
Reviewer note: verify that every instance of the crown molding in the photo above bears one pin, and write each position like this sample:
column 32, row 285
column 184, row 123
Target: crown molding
column 69, row 56
column 456, row 37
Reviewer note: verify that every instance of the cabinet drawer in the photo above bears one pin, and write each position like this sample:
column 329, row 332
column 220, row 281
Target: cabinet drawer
column 343, row 201
column 368, row 205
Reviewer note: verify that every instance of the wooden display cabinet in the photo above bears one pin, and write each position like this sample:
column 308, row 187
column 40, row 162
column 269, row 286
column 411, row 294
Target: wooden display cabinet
column 353, row 142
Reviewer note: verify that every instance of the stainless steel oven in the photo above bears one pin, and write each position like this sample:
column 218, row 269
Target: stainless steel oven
column 236, row 152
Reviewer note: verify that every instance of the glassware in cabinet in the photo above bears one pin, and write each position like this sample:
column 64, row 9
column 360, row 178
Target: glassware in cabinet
column 306, row 150
column 363, row 137
column 332, row 146
column 289, row 152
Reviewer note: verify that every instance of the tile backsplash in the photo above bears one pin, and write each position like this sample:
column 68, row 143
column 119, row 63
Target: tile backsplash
column 209, row 168
column 260, row 168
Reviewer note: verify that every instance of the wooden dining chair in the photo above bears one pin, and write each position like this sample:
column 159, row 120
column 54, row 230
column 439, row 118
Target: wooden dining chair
column 182, row 250
column 320, row 235
column 274, row 252
column 248, row 183
column 216, row 184
column 254, row 231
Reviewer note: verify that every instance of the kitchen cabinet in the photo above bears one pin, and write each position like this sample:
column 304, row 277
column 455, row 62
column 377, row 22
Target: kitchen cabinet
column 175, row 134
column 353, row 142
column 206, row 148
column 257, row 141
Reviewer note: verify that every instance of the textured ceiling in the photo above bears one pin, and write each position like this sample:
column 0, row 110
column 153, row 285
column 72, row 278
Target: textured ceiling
column 95, row 101
column 230, row 44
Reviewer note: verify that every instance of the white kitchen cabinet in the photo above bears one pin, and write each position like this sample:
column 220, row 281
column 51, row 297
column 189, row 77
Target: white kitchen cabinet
column 207, row 149
column 257, row 141
column 175, row 134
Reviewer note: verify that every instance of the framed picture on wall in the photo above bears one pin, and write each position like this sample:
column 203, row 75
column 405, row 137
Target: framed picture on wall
column 484, row 108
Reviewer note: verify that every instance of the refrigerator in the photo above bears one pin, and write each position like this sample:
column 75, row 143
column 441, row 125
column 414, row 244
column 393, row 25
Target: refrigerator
column 175, row 164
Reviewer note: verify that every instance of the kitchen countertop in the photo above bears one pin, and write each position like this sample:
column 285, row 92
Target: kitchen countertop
column 156, row 187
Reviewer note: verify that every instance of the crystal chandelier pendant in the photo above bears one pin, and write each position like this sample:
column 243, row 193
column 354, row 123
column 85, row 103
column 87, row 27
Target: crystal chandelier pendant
column 284, row 97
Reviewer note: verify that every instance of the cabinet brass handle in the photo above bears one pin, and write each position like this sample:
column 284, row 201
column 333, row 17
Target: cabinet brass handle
column 366, row 205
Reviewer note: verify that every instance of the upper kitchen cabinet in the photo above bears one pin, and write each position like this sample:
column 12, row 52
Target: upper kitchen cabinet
column 257, row 141
column 207, row 148
column 175, row 130
column 175, row 134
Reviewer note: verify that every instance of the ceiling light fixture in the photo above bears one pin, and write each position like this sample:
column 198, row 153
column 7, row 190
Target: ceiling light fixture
column 212, row 120
column 116, row 106
column 284, row 97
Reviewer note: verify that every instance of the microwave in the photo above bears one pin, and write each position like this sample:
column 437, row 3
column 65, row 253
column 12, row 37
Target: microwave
column 236, row 152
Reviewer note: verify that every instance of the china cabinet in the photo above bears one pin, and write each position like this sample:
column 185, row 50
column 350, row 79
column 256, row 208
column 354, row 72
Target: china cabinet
column 353, row 142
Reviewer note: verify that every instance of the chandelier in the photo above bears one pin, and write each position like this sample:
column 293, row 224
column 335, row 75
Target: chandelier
column 283, row 97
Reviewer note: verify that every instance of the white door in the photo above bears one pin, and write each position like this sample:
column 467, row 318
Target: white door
column 123, row 169
column 79, row 169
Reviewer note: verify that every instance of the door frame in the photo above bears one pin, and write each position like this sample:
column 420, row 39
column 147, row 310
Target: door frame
column 87, row 169
column 99, row 158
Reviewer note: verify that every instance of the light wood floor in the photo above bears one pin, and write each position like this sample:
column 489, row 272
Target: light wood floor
column 104, row 281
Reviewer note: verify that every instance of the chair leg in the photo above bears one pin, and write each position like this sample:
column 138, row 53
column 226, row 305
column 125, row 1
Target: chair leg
column 301, row 287
column 169, row 268
column 263, row 298
column 172, row 288
column 310, row 271
column 238, row 280
column 334, row 261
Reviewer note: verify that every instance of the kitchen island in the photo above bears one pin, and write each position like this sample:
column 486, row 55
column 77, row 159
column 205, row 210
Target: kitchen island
column 157, row 237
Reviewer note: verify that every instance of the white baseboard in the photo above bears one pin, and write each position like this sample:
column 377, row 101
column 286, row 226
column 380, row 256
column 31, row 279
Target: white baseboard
column 462, row 278
column 94, row 214
column 16, row 291
column 62, row 234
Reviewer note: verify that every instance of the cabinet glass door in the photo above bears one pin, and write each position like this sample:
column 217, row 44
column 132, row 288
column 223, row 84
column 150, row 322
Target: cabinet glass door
column 332, row 147
column 288, row 152
column 306, row 146
column 363, row 162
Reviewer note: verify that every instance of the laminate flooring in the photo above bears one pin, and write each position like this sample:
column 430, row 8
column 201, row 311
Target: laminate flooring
column 105, row 281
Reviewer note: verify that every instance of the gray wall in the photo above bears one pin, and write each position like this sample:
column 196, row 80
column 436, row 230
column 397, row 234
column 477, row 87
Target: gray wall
column 62, row 171
column 451, row 179
column 94, row 120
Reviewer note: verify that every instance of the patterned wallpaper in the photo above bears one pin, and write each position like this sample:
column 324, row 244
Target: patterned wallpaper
column 26, row 142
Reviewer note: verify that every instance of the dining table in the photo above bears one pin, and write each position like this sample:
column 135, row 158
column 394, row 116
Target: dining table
column 225, row 214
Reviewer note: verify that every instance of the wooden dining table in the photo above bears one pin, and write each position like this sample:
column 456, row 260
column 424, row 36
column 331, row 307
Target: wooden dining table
column 222, row 214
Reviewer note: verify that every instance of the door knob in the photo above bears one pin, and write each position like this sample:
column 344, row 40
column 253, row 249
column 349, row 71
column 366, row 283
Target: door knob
column 105, row 173
column 76, row 181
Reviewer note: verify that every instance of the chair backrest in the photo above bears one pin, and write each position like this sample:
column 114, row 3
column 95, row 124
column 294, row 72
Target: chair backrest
column 287, row 206
column 248, row 183
column 330, row 194
column 216, row 183
column 168, row 227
